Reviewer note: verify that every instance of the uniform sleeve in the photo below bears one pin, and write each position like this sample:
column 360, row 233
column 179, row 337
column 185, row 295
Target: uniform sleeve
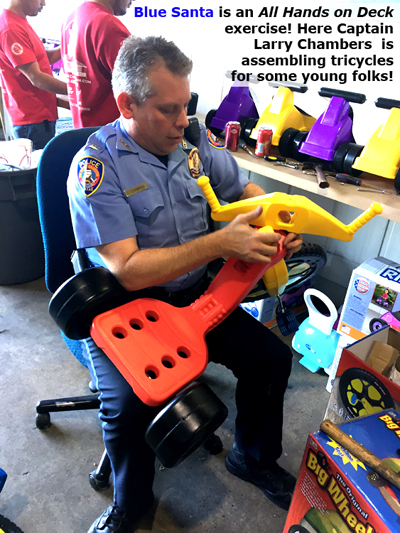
column 99, row 208
column 226, row 178
column 18, row 48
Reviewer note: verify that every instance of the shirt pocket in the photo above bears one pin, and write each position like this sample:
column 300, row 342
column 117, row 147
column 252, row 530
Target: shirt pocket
column 148, row 210
column 198, row 205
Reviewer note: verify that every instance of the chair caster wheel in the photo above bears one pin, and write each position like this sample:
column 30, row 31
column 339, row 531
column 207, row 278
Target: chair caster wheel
column 43, row 420
column 213, row 445
column 99, row 482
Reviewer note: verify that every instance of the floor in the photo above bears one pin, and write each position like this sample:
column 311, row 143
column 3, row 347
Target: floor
column 47, row 489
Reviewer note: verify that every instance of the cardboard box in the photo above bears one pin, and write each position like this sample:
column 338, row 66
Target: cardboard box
column 335, row 492
column 372, row 298
column 359, row 389
column 382, row 357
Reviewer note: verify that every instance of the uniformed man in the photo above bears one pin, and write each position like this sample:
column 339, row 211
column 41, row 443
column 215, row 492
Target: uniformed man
column 136, row 209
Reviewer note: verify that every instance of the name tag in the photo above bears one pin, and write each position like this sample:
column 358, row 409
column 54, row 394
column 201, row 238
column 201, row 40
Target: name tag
column 134, row 190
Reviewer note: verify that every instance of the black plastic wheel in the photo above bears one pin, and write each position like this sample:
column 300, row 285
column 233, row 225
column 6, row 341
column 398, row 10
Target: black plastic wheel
column 349, row 159
column 304, row 264
column 376, row 323
column 286, row 140
column 210, row 115
column 298, row 529
column 295, row 147
column 185, row 423
column 84, row 296
column 43, row 420
column 363, row 393
column 397, row 181
column 339, row 155
column 246, row 127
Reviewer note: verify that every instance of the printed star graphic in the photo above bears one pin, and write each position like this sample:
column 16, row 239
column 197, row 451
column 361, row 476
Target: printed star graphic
column 345, row 455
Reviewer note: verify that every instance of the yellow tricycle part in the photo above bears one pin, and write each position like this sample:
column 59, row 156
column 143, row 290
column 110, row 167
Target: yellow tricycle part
column 282, row 114
column 306, row 216
column 276, row 278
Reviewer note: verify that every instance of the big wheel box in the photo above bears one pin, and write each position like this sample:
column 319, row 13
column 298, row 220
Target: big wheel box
column 358, row 388
column 372, row 299
column 335, row 492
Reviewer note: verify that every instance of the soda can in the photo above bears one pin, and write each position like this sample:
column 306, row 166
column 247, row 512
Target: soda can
column 264, row 139
column 232, row 134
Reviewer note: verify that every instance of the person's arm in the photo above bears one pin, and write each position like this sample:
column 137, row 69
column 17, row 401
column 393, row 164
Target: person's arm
column 137, row 269
column 54, row 55
column 42, row 80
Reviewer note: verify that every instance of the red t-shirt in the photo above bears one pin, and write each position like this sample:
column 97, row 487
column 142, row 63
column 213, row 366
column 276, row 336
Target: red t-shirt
column 19, row 45
column 90, row 41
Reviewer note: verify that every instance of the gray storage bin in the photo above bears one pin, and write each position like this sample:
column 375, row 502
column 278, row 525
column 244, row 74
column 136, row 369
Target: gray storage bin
column 21, row 245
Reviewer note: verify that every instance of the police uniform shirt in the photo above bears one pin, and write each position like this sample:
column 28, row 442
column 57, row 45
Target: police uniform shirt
column 118, row 190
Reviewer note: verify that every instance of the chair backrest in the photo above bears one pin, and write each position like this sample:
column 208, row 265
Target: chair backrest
column 54, row 214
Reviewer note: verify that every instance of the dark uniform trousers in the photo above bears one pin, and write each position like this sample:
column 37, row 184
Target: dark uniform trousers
column 260, row 361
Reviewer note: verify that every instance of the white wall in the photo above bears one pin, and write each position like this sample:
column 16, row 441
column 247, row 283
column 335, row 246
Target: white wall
column 214, row 52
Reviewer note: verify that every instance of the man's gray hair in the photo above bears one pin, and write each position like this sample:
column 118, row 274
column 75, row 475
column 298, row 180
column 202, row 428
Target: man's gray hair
column 137, row 56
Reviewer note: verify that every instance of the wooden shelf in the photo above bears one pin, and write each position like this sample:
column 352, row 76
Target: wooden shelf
column 346, row 194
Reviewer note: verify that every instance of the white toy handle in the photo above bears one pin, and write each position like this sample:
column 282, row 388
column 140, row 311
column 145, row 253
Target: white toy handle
column 316, row 319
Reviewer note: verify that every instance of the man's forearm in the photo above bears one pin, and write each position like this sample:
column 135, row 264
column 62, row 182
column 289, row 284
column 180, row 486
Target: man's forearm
column 44, row 81
column 155, row 266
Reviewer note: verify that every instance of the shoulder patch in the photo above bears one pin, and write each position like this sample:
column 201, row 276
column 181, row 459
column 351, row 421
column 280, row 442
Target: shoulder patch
column 90, row 174
column 213, row 141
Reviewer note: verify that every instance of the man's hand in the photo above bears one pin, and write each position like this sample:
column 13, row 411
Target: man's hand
column 240, row 240
column 292, row 241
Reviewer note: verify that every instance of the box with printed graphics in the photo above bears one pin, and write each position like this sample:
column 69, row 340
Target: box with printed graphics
column 336, row 492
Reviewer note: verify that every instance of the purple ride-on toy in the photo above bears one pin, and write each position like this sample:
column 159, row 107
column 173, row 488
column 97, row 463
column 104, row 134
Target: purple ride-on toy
column 237, row 103
column 331, row 130
column 388, row 319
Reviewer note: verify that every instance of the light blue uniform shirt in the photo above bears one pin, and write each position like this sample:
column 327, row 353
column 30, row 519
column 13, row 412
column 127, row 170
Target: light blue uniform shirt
column 118, row 190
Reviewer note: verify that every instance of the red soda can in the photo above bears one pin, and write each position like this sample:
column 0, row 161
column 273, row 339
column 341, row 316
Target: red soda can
column 264, row 139
column 232, row 134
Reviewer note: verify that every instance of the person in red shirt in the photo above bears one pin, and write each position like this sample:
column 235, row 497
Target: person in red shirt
column 90, row 41
column 28, row 84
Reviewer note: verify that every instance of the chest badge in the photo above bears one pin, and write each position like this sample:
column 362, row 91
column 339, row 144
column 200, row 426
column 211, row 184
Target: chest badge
column 194, row 163
column 90, row 174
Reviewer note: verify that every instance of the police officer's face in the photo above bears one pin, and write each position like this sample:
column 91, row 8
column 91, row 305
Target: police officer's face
column 158, row 124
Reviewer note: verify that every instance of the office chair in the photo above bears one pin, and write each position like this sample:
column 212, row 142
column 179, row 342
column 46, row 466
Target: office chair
column 59, row 245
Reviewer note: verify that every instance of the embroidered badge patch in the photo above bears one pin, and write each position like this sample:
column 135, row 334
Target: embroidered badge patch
column 194, row 163
column 213, row 141
column 90, row 174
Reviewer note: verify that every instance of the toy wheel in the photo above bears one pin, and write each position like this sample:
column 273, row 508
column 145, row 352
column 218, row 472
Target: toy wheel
column 286, row 140
column 362, row 393
column 322, row 460
column 185, row 423
column 397, row 181
column 210, row 115
column 43, row 420
column 298, row 529
column 246, row 127
column 340, row 154
column 376, row 323
column 87, row 294
column 304, row 264
column 349, row 159
column 295, row 147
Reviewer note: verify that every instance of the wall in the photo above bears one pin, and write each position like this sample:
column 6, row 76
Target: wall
column 214, row 52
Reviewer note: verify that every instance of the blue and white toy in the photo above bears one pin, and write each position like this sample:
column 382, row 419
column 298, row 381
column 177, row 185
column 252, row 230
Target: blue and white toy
column 315, row 339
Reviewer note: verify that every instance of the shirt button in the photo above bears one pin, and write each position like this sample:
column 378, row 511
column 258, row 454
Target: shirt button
column 175, row 203
column 145, row 211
